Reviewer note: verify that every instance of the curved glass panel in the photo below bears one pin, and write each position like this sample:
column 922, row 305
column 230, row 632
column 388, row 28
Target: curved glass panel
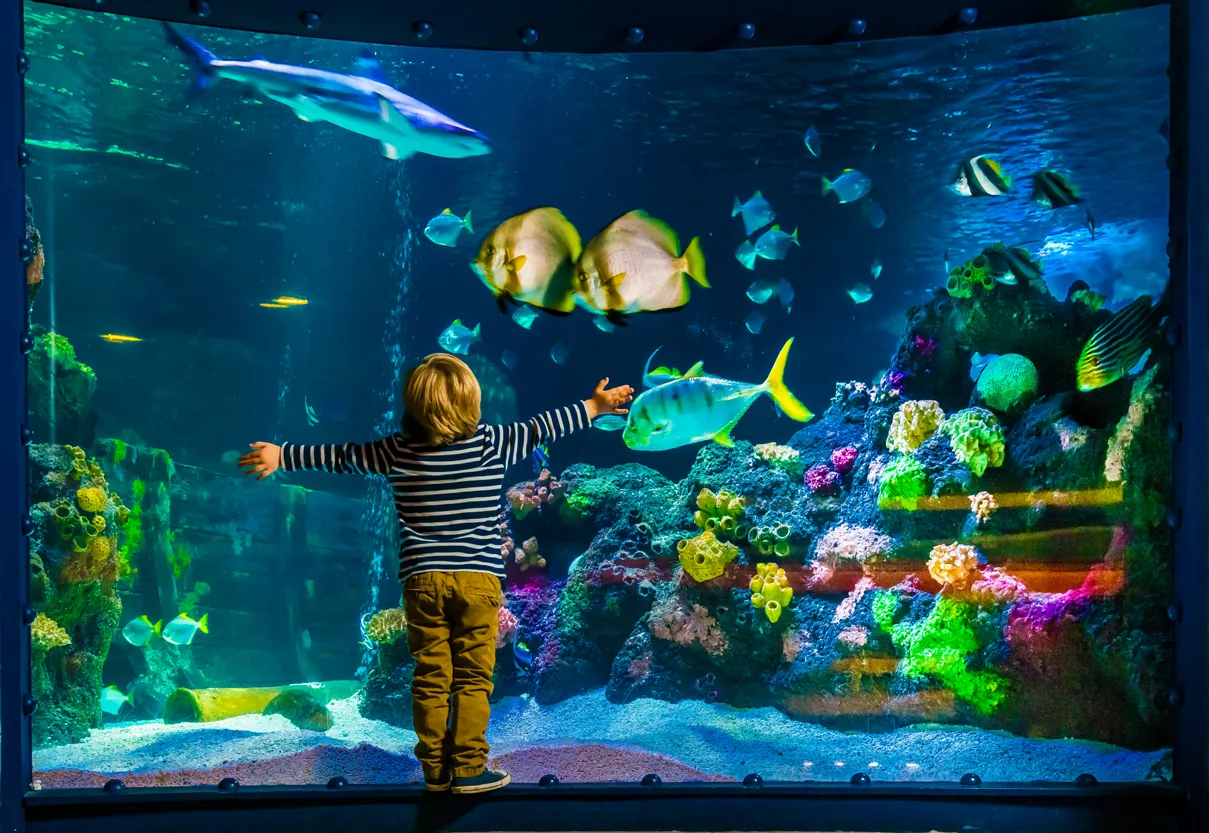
column 890, row 499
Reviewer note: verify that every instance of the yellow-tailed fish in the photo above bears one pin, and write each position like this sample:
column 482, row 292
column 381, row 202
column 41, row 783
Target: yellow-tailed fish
column 291, row 301
column 182, row 629
column 274, row 305
column 635, row 265
column 114, row 338
column 1119, row 343
column 697, row 407
column 530, row 258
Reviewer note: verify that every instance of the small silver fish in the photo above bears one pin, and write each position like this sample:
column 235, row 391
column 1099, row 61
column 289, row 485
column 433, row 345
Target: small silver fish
column 456, row 338
column 814, row 142
column 774, row 243
column 138, row 632
column 509, row 359
column 559, row 353
column 754, row 323
column 759, row 291
column 182, row 629
column 784, row 293
column 860, row 293
column 746, row 254
column 525, row 316
column 444, row 228
column 603, row 324
column 112, row 700
column 875, row 268
column 756, row 213
column 875, row 214
column 849, row 186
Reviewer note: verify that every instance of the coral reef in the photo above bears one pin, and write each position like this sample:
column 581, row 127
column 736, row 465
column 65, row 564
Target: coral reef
column 524, row 498
column 506, row 627
column 904, row 480
column 1008, row 384
column 821, row 478
column 977, row 439
column 971, row 278
column 528, row 556
column 58, row 380
column 386, row 626
column 914, row 422
column 780, row 457
column 721, row 514
column 953, row 564
column 982, row 505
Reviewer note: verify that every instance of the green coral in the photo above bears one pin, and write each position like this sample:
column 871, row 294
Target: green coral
column 939, row 647
column 1009, row 383
column 977, row 439
column 780, row 457
column 705, row 557
column 904, row 481
column 913, row 423
column 119, row 452
column 885, row 607
column 770, row 540
column 972, row 275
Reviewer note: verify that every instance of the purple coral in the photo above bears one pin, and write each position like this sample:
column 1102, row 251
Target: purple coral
column 924, row 345
column 821, row 478
column 894, row 379
column 842, row 459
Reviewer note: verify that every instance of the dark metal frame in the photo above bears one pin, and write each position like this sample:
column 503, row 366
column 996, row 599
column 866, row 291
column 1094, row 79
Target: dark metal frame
column 607, row 25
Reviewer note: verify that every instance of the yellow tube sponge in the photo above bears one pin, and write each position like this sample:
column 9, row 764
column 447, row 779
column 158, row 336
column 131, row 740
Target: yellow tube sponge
column 90, row 499
column 705, row 557
column 914, row 422
column 770, row 590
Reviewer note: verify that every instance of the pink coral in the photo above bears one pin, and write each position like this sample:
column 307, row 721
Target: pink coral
column 848, row 606
column 528, row 556
column 997, row 587
column 525, row 497
column 677, row 622
column 845, row 542
column 507, row 627
column 854, row 637
column 924, row 345
column 842, row 459
column 821, row 478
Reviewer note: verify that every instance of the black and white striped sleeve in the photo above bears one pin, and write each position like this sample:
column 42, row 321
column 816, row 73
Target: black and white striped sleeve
column 516, row 442
column 351, row 458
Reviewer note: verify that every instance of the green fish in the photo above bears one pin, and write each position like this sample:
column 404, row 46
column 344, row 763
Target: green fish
column 697, row 407
column 1119, row 343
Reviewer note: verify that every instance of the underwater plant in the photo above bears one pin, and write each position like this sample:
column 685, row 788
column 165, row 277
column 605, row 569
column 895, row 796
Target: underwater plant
column 1008, row 383
column 904, row 480
column 770, row 590
column 913, row 423
column 386, row 626
column 977, row 439
column 705, row 557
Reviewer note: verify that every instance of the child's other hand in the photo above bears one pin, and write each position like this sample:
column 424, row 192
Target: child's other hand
column 606, row 400
column 265, row 459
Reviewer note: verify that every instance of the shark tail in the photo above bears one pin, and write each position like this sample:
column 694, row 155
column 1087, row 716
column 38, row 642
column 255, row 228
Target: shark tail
column 201, row 58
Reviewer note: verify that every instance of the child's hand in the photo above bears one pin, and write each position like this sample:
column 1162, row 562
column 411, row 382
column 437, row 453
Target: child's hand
column 609, row 401
column 266, row 459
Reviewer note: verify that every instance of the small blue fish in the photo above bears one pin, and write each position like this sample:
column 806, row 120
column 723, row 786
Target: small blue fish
column 182, row 629
column 112, row 700
column 978, row 363
column 814, row 142
column 860, row 293
column 875, row 214
column 559, row 353
column 849, row 186
column 457, row 339
column 759, row 291
column 756, row 212
column 509, row 359
column 525, row 316
column 754, row 323
column 746, row 254
column 785, row 293
column 541, row 458
column 521, row 654
column 603, row 324
column 774, row 243
column 444, row 228
column 875, row 268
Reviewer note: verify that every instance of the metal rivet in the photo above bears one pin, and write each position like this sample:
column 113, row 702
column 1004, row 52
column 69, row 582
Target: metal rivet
column 228, row 785
column 28, row 615
column 751, row 779
column 634, row 36
column 747, row 31
column 422, row 29
column 29, row 705
column 27, row 435
column 114, row 785
column 857, row 26
column 201, row 8
column 27, row 342
column 1175, row 611
column 22, row 62
column 1086, row 780
column 27, row 525
column 860, row 779
column 310, row 20
column 651, row 780
column 23, row 157
column 337, row 782
column 528, row 36
column 548, row 780
column 968, row 15
column 971, row 780
column 27, row 249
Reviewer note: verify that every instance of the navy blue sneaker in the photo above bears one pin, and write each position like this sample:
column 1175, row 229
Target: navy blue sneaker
column 436, row 785
column 485, row 781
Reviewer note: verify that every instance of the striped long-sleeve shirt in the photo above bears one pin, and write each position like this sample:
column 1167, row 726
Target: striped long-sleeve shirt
column 447, row 497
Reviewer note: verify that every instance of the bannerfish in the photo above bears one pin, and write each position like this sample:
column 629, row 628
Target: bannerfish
column 981, row 176
column 114, row 338
column 1081, row 293
column 182, row 629
column 509, row 359
column 112, row 700
column 603, row 324
column 697, row 407
column 860, row 293
column 559, row 353
column 785, row 293
column 634, row 265
column 814, row 142
column 1010, row 266
column 530, row 258
column 1052, row 190
column 978, row 363
column 849, row 186
column 759, row 291
column 138, row 632
column 444, row 228
column 361, row 101
column 1119, row 343
column 756, row 212
column 746, row 254
column 875, row 268
column 774, row 243
column 754, row 323
column 525, row 316
column 875, row 214
column 456, row 338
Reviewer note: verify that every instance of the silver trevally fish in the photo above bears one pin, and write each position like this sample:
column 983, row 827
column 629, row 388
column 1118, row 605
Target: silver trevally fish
column 697, row 407
column 362, row 101
column 444, row 228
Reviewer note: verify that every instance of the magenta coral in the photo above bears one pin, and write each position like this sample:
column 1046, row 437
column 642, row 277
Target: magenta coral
column 507, row 627
column 924, row 345
column 821, row 478
column 842, row 459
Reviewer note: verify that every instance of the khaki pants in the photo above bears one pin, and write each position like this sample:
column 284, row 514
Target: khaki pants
column 452, row 620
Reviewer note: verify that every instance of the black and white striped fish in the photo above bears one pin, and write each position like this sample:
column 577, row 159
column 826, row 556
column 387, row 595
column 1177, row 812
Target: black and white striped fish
column 1053, row 191
column 981, row 176
column 1119, row 343
column 1010, row 266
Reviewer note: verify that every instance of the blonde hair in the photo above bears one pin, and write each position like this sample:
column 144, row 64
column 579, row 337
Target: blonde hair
column 441, row 401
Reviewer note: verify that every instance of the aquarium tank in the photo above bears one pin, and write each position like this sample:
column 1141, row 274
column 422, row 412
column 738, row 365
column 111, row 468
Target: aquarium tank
column 890, row 498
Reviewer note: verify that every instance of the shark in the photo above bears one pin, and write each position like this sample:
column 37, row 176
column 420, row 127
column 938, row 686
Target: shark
column 361, row 101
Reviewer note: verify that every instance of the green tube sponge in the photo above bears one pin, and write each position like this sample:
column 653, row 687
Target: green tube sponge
column 780, row 549
column 781, row 531
column 976, row 437
column 904, row 481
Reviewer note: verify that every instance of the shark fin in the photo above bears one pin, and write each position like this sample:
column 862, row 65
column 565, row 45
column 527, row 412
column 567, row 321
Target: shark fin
column 392, row 152
column 201, row 58
column 367, row 66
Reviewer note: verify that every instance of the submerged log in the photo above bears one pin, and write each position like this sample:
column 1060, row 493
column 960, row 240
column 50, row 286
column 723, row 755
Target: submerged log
column 206, row 705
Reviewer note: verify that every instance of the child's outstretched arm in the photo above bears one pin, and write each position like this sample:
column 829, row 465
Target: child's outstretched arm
column 350, row 458
column 516, row 442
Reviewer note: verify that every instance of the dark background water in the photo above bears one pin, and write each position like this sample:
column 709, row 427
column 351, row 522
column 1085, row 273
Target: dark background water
column 233, row 202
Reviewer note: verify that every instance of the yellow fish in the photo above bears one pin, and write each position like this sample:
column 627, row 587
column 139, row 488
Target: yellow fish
column 275, row 305
column 530, row 258
column 291, row 301
column 1118, row 344
column 113, row 338
column 635, row 265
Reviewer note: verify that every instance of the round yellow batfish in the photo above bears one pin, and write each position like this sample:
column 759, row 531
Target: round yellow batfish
column 635, row 265
column 530, row 258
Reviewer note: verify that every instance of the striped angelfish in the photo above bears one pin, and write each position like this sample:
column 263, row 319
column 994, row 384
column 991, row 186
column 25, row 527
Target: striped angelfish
column 1053, row 191
column 697, row 407
column 1119, row 343
column 981, row 176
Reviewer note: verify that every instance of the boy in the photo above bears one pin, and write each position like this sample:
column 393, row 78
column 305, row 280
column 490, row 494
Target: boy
column 447, row 472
